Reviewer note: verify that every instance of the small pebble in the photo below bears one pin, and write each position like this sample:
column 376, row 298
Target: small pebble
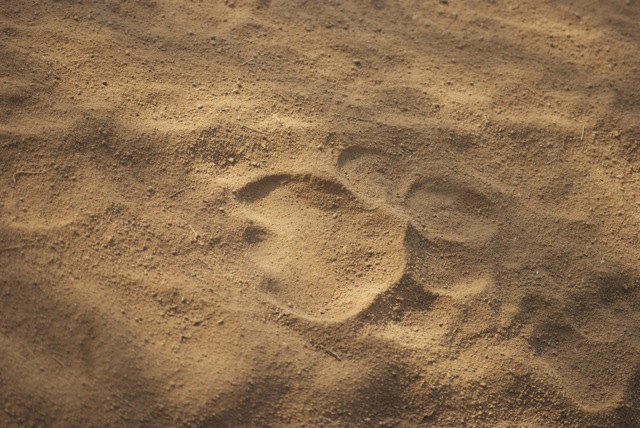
column 200, row 106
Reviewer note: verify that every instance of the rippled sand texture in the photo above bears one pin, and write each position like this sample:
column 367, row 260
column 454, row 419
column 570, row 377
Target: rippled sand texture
column 319, row 213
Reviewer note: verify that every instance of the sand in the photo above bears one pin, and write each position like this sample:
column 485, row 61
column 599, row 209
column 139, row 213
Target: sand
column 270, row 213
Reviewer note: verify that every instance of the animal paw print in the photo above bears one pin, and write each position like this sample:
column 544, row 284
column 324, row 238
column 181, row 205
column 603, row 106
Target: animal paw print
column 321, row 249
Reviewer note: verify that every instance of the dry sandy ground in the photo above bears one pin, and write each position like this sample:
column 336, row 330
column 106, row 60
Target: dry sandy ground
column 319, row 213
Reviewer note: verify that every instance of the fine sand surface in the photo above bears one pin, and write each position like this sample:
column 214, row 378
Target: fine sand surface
column 301, row 213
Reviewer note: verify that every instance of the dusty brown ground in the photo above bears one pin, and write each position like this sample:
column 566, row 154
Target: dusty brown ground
column 319, row 213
